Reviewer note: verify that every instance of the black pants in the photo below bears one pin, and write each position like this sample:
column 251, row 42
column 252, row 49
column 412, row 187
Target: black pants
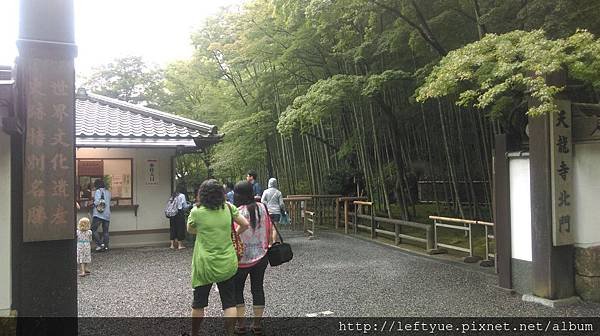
column 177, row 225
column 257, row 277
column 226, row 292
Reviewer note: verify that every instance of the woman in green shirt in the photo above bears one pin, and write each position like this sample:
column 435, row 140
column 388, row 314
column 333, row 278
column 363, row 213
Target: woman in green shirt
column 214, row 259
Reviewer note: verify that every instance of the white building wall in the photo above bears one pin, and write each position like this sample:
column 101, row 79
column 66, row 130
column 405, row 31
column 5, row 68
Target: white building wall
column 586, row 198
column 520, row 208
column 151, row 198
column 5, row 221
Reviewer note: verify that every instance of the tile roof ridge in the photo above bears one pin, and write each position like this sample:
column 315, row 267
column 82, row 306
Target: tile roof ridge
column 149, row 112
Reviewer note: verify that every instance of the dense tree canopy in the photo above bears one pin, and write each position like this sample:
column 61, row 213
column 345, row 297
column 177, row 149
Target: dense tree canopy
column 128, row 79
column 323, row 93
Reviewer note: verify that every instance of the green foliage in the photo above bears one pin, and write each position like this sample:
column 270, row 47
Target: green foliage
column 342, row 181
column 377, row 83
column 193, row 168
column 244, row 145
column 484, row 72
column 323, row 99
column 128, row 79
column 343, row 72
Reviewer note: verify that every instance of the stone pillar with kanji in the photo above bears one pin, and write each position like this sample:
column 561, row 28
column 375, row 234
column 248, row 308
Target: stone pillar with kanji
column 45, row 245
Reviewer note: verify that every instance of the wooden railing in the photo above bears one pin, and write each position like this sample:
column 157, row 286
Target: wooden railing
column 307, row 212
column 467, row 226
column 346, row 201
column 397, row 223
column 322, row 205
column 296, row 207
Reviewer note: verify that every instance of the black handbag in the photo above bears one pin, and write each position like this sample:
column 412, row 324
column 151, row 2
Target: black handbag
column 279, row 252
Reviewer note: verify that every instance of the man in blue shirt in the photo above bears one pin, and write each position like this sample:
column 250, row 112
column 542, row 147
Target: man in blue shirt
column 101, row 215
column 251, row 177
column 229, row 192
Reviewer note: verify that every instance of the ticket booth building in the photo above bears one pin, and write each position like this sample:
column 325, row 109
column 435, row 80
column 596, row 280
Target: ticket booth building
column 133, row 149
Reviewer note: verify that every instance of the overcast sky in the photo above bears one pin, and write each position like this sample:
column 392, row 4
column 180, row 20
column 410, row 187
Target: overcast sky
column 158, row 30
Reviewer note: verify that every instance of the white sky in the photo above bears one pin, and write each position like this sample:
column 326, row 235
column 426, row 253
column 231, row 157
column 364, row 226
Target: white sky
column 157, row 30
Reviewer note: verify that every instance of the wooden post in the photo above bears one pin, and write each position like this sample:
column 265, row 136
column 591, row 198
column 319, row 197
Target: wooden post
column 430, row 238
column 293, row 215
column 373, row 232
column 314, row 233
column 303, row 214
column 553, row 266
column 346, row 216
column 502, row 228
column 337, row 213
column 355, row 221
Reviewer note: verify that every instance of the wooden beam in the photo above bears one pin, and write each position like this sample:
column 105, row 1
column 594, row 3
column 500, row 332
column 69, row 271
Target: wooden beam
column 501, row 209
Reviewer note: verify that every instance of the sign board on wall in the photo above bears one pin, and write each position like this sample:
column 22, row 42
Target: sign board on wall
column 49, row 170
column 561, row 163
column 126, row 185
column 152, row 172
column 90, row 167
column 586, row 127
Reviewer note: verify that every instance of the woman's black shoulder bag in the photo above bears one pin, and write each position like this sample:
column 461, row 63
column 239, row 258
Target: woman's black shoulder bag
column 279, row 252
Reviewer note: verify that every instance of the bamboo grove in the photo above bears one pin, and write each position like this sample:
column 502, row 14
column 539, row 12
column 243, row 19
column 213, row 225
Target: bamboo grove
column 322, row 94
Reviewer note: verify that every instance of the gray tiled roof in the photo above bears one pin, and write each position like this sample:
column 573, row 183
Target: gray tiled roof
column 100, row 118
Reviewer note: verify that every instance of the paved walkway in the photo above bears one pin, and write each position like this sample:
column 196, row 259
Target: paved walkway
column 344, row 275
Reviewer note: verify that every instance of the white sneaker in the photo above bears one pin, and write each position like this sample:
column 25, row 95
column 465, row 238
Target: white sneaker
column 100, row 248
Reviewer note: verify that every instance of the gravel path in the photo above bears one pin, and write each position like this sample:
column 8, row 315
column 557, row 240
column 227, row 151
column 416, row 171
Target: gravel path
column 336, row 273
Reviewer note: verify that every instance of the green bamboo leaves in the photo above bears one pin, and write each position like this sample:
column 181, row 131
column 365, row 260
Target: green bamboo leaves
column 328, row 96
column 497, row 66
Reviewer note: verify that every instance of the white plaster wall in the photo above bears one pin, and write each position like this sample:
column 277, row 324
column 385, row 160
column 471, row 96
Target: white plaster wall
column 151, row 199
column 5, row 214
column 586, row 198
column 520, row 208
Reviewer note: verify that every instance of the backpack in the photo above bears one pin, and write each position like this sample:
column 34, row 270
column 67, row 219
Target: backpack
column 101, row 206
column 171, row 208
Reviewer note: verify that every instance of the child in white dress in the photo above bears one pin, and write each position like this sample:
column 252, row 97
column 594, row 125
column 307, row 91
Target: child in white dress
column 84, row 248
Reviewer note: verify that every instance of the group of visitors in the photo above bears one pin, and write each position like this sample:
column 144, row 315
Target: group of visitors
column 100, row 219
column 215, row 220
column 217, row 213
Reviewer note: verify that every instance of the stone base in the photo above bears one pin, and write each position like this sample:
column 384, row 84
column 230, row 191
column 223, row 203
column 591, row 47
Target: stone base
column 471, row 259
column 573, row 300
column 487, row 263
column 587, row 273
column 8, row 322
column 437, row 251
column 588, row 287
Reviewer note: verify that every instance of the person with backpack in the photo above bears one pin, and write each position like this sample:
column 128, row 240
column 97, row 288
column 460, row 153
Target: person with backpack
column 101, row 215
column 175, row 211
column 273, row 199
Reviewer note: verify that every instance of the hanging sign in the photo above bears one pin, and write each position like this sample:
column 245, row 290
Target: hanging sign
column 152, row 172
column 561, row 165
column 586, row 127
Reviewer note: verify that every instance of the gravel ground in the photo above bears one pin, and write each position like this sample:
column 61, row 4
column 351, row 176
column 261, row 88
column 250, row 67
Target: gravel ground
column 336, row 273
